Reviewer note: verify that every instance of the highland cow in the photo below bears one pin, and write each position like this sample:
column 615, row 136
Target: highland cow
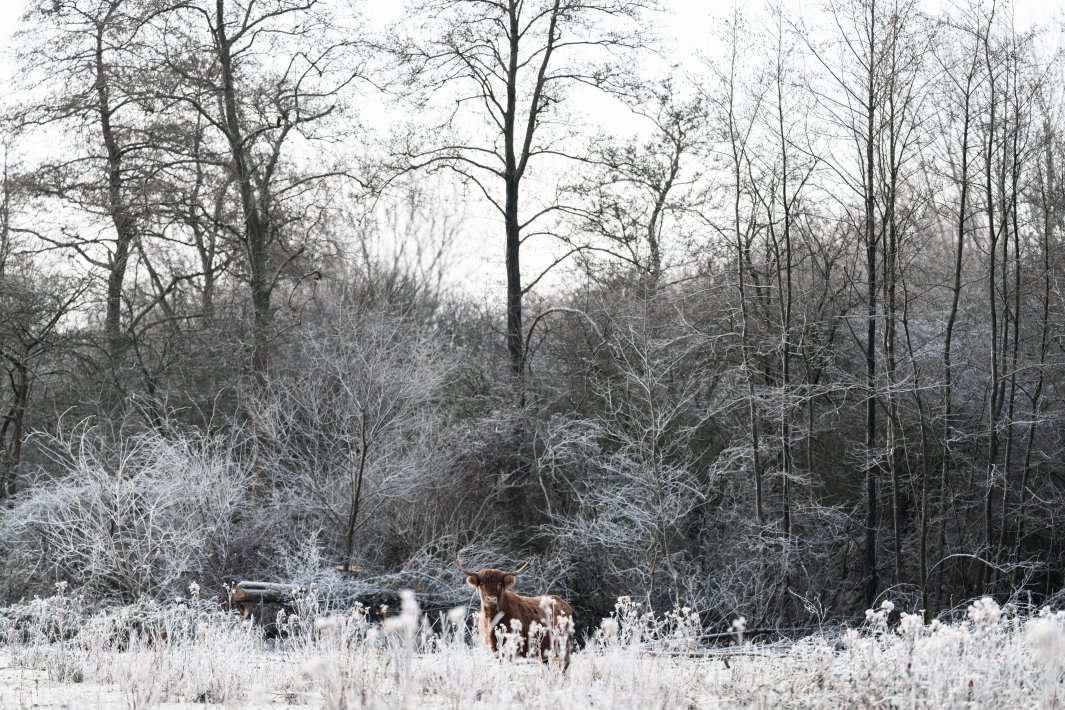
column 544, row 623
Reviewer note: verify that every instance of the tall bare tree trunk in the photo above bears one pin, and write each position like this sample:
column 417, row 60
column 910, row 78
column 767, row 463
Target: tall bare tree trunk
column 994, row 405
column 872, row 579
column 741, row 267
column 256, row 226
column 786, row 308
column 946, row 458
column 1049, row 192
column 926, row 472
column 1015, row 159
column 118, row 206
column 515, row 329
column 890, row 260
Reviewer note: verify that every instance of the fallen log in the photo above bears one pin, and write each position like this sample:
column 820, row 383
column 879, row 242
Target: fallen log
column 261, row 602
column 248, row 592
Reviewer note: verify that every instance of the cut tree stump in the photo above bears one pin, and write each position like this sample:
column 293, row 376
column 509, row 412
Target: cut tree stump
column 261, row 602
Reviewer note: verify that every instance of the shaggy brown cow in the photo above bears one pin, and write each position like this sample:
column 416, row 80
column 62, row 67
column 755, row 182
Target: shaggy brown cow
column 546, row 622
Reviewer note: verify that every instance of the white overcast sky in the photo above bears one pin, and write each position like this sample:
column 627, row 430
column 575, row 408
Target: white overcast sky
column 690, row 21
column 686, row 28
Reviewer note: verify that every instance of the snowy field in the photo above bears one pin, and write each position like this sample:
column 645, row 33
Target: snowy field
column 193, row 656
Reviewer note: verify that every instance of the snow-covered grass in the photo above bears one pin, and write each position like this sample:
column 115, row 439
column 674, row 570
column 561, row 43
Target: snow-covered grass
column 193, row 654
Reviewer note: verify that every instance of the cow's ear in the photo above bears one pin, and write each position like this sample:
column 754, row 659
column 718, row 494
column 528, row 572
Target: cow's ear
column 473, row 581
column 508, row 581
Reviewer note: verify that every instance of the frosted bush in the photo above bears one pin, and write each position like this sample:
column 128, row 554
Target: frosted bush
column 632, row 622
column 133, row 515
column 43, row 619
column 983, row 661
column 877, row 619
column 682, row 629
column 1047, row 637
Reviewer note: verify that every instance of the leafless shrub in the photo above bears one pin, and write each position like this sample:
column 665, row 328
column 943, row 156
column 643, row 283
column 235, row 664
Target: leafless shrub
column 351, row 427
column 131, row 515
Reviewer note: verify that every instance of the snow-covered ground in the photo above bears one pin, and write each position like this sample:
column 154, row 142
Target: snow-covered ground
column 193, row 657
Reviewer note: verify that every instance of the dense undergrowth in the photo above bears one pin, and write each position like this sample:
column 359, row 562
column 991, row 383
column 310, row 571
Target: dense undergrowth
column 194, row 651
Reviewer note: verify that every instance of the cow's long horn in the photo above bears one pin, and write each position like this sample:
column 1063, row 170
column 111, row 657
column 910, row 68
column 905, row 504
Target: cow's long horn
column 463, row 569
column 521, row 569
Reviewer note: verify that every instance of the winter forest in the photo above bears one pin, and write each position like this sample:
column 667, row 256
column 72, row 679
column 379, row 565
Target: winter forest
column 756, row 334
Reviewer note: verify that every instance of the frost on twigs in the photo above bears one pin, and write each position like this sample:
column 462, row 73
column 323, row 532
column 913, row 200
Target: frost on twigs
column 193, row 652
column 119, row 521
column 984, row 659
column 739, row 626
column 631, row 627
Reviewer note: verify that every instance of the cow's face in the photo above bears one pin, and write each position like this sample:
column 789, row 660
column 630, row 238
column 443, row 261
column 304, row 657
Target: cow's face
column 490, row 584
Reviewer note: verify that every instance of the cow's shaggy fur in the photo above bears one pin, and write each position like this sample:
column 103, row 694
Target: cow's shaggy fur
column 546, row 621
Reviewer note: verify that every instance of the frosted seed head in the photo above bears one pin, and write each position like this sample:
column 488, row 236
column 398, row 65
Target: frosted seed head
column 984, row 612
column 326, row 622
column 1047, row 639
column 407, row 603
column 910, row 625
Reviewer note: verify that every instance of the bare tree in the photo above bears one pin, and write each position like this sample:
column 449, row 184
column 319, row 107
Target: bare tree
column 506, row 70
column 340, row 419
column 788, row 163
column 906, row 43
column 211, row 61
column 83, row 58
column 1048, row 208
column 34, row 304
column 961, row 77
column 641, row 190
column 740, row 126
column 853, row 101
column 645, row 484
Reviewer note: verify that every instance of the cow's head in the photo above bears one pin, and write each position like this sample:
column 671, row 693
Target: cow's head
column 490, row 583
